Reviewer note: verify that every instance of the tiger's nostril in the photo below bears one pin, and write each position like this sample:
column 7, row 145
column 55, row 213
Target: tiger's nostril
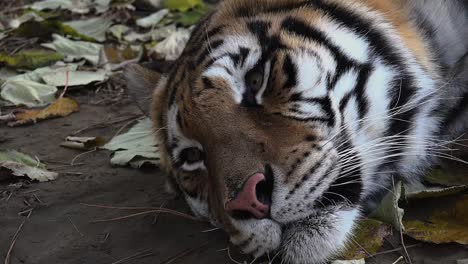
column 254, row 200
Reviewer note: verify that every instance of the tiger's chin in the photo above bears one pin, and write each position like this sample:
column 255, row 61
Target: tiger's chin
column 318, row 238
column 315, row 239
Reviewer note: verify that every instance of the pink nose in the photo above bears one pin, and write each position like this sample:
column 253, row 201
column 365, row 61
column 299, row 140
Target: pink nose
column 247, row 200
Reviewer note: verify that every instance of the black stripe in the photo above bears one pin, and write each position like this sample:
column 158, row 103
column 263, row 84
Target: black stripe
column 260, row 30
column 361, row 98
column 364, row 28
column 324, row 102
column 244, row 53
column 210, row 47
column 401, row 93
column 290, row 72
column 300, row 28
column 305, row 119
column 307, row 176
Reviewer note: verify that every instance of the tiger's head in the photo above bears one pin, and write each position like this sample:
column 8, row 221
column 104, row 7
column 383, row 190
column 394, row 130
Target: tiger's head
column 259, row 126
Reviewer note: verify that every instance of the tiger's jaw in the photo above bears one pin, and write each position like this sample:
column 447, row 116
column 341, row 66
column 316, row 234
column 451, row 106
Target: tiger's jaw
column 314, row 239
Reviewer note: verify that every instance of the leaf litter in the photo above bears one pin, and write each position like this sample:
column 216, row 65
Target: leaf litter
column 16, row 164
column 161, row 34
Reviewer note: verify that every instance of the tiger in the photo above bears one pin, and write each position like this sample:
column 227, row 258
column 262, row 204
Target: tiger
column 284, row 122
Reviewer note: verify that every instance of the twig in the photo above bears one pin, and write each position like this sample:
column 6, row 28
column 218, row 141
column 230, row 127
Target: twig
column 105, row 124
column 124, row 126
column 105, row 238
column 67, row 76
column 398, row 260
column 394, row 250
column 8, row 198
column 407, row 256
column 144, row 253
column 76, row 228
column 15, row 237
column 66, row 166
column 37, row 199
column 151, row 210
column 182, row 254
column 145, row 213
column 25, row 211
column 72, row 163
column 31, row 191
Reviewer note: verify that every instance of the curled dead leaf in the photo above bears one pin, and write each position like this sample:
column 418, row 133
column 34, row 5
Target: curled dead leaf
column 60, row 108
column 83, row 143
column 445, row 226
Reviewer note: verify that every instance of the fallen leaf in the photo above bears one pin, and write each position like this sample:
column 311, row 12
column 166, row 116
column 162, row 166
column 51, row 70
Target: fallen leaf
column 94, row 28
column 181, row 5
column 30, row 59
column 75, row 6
column 14, row 163
column 36, row 75
column 138, row 145
column 389, row 210
column 118, row 31
column 75, row 78
column 28, row 93
column 83, row 143
column 73, row 50
column 191, row 17
column 453, row 176
column 436, row 192
column 153, row 19
column 16, row 156
column 22, row 170
column 16, row 22
column 60, row 108
column 34, row 29
column 358, row 261
column 446, row 226
column 173, row 45
column 368, row 238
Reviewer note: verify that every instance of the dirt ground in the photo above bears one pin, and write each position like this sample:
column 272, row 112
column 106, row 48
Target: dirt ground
column 59, row 229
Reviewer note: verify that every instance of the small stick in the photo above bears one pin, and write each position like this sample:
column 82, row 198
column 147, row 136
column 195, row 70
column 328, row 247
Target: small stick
column 25, row 211
column 67, row 76
column 395, row 250
column 74, row 173
column 124, row 126
column 26, row 203
column 113, row 122
column 76, row 228
column 398, row 260
column 72, row 163
column 138, row 254
column 8, row 198
column 67, row 166
column 37, row 199
column 105, row 238
column 182, row 254
column 15, row 237
column 121, row 207
column 147, row 212
column 31, row 191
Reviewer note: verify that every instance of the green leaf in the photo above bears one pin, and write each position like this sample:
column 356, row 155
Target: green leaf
column 93, row 28
column 453, row 176
column 44, row 29
column 389, row 210
column 16, row 156
column 28, row 93
column 181, row 5
column 73, row 50
column 138, row 144
column 17, row 164
column 30, row 59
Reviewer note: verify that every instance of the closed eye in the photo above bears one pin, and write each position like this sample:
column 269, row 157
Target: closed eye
column 191, row 159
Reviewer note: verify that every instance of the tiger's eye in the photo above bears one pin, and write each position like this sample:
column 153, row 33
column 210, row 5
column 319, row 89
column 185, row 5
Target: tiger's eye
column 192, row 155
column 254, row 79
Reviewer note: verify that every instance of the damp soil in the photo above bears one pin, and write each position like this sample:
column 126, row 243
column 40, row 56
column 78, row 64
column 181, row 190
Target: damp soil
column 60, row 228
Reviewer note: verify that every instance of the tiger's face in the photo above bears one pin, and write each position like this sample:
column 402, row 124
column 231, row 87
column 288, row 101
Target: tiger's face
column 265, row 127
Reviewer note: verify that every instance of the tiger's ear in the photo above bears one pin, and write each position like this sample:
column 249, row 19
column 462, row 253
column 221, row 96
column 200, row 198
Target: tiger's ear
column 142, row 82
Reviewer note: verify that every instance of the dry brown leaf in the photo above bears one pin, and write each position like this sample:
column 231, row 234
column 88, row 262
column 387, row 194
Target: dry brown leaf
column 445, row 226
column 59, row 108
